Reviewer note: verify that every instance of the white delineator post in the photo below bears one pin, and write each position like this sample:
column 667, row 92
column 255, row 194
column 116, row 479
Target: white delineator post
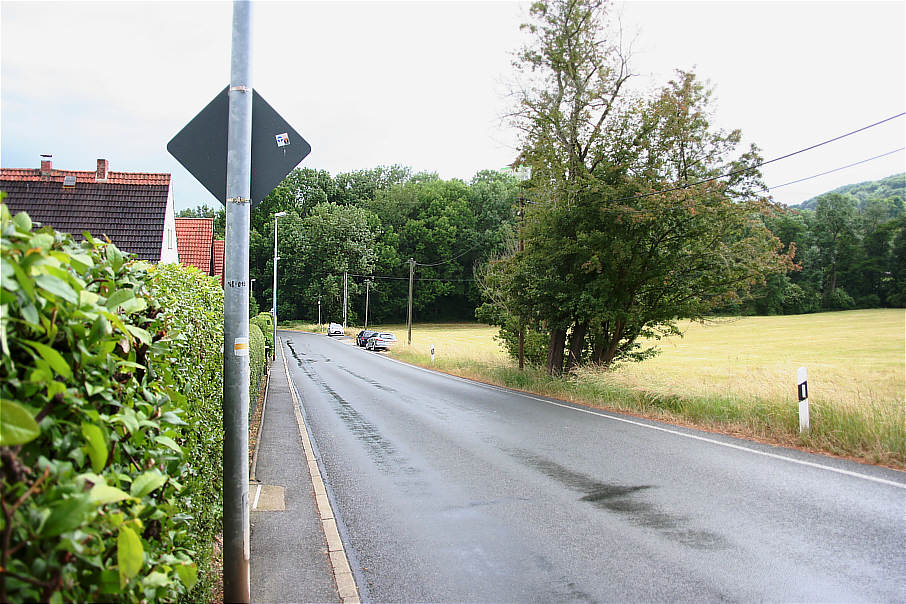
column 802, row 382
column 432, row 353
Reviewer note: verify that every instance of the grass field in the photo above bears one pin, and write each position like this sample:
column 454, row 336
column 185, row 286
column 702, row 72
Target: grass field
column 732, row 375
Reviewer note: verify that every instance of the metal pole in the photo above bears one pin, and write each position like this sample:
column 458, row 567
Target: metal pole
column 236, row 315
column 345, row 275
column 274, row 290
column 319, row 312
column 521, row 249
column 409, row 319
column 367, row 287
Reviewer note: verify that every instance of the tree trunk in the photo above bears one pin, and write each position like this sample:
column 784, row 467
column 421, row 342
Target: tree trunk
column 597, row 354
column 555, row 351
column 576, row 344
column 613, row 345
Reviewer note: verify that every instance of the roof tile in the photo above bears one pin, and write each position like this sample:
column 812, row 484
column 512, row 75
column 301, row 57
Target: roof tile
column 128, row 208
column 195, row 242
column 218, row 260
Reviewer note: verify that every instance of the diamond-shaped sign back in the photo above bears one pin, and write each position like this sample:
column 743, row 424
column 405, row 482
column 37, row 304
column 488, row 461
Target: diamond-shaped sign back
column 201, row 147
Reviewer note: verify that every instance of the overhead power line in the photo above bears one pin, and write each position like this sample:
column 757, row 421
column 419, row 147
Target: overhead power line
column 416, row 278
column 864, row 161
column 764, row 163
column 474, row 247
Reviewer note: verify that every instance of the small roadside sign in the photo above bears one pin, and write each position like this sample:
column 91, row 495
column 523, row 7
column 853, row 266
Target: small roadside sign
column 201, row 147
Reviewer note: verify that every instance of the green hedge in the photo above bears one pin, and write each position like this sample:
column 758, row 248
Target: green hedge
column 108, row 492
column 257, row 364
column 192, row 304
column 266, row 324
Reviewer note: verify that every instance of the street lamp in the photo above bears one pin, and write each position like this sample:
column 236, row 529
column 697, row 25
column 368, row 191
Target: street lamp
column 274, row 291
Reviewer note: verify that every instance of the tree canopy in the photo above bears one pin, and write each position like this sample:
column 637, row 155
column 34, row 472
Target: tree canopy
column 608, row 259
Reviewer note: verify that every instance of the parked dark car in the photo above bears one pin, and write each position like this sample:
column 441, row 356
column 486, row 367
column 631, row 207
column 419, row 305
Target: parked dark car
column 382, row 340
column 363, row 336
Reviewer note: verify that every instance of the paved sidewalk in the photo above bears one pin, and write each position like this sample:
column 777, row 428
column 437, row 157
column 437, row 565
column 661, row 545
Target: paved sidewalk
column 289, row 553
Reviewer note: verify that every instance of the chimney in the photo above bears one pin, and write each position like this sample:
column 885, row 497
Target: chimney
column 103, row 167
column 46, row 164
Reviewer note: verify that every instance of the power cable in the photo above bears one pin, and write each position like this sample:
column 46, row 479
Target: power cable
column 415, row 278
column 764, row 163
column 792, row 182
column 475, row 247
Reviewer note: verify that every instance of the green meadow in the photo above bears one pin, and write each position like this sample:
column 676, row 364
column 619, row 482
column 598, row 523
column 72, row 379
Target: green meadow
column 733, row 375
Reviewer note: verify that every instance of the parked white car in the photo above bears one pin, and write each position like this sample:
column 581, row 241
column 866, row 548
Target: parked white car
column 335, row 329
column 380, row 341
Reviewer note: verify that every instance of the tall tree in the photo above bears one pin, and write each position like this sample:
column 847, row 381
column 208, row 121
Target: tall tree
column 835, row 217
column 608, row 260
column 572, row 74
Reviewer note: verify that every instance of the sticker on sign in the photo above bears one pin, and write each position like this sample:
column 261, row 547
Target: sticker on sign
column 282, row 139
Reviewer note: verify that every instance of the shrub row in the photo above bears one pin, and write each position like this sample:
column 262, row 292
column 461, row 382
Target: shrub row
column 110, row 427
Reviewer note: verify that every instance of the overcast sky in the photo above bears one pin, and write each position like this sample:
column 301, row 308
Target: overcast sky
column 423, row 84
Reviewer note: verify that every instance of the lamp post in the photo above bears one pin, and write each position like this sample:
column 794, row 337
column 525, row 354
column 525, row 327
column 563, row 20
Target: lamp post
column 274, row 291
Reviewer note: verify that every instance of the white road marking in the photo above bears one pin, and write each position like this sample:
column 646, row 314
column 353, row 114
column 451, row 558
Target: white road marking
column 257, row 495
column 661, row 429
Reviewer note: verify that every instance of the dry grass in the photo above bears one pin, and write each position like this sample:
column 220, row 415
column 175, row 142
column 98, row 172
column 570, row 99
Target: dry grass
column 735, row 375
column 853, row 358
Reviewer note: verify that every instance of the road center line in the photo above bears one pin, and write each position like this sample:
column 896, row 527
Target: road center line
column 661, row 429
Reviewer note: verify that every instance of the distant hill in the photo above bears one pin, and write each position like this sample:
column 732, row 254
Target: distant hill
column 892, row 186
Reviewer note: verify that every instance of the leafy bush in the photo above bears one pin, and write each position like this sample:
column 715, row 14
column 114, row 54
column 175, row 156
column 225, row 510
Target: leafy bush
column 798, row 300
column 839, row 300
column 266, row 324
column 192, row 308
column 257, row 364
column 103, row 480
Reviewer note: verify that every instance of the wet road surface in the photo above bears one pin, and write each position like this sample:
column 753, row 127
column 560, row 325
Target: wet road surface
column 451, row 491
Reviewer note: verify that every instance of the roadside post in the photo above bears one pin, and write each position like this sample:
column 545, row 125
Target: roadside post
column 274, row 290
column 432, row 354
column 239, row 148
column 802, row 387
column 345, row 296
column 367, row 292
column 409, row 315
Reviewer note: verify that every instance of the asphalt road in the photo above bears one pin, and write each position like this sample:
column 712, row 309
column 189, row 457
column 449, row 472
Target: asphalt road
column 451, row 491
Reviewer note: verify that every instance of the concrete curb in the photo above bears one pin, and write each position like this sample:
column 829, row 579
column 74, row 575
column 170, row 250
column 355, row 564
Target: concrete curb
column 345, row 581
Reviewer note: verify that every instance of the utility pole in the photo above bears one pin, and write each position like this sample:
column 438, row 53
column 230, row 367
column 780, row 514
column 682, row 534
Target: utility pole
column 524, row 173
column 236, row 314
column 367, row 288
column 345, row 275
column 521, row 248
column 411, row 275
column 274, row 291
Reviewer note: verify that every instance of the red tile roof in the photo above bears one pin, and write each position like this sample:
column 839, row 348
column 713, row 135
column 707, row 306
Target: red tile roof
column 195, row 242
column 218, row 260
column 114, row 178
column 127, row 207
